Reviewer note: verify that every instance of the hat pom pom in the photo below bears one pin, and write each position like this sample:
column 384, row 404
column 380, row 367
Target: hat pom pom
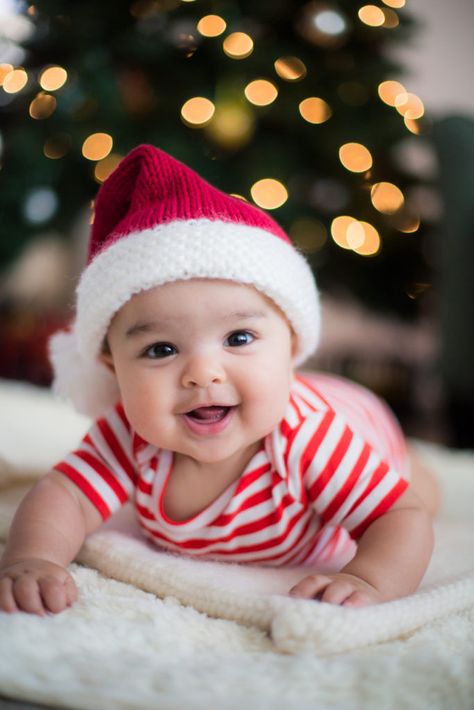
column 90, row 386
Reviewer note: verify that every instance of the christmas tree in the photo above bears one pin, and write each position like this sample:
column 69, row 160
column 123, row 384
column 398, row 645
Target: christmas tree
column 292, row 105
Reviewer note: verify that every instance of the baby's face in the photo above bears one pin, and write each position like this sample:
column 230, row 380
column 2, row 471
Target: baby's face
column 204, row 367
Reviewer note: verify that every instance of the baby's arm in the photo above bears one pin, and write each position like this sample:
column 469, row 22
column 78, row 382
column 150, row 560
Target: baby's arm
column 47, row 531
column 391, row 559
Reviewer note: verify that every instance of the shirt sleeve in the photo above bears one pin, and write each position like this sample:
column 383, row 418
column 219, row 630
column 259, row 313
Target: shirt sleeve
column 346, row 481
column 102, row 466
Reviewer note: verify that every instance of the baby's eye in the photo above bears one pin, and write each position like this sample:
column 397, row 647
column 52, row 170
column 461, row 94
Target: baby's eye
column 159, row 350
column 240, row 337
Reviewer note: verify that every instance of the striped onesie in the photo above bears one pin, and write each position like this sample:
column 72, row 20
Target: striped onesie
column 336, row 462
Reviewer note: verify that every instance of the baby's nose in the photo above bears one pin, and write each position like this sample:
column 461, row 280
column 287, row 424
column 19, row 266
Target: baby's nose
column 202, row 371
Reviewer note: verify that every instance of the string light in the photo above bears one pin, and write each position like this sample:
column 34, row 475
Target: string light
column 53, row 78
column 309, row 234
column 386, row 197
column 232, row 124
column 371, row 15
column 15, row 81
column 57, row 146
column 238, row 45
column 97, row 146
column 104, row 167
column 409, row 105
column 355, row 157
column 5, row 69
column 43, row 106
column 315, row 110
column 269, row 193
column 211, row 26
column 261, row 92
column 391, row 19
column 390, row 90
column 290, row 68
column 197, row 112
column 339, row 227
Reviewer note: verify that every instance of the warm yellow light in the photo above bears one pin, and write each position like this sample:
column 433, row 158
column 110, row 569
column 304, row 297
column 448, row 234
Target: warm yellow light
column 57, row 146
column 261, row 92
column 269, row 194
column 315, row 110
column 390, row 90
column 391, row 19
column 409, row 105
column 238, row 45
column 53, row 78
column 43, row 106
column 395, row 3
column 197, row 112
column 386, row 197
column 15, row 81
column 211, row 26
column 407, row 223
column 308, row 234
column 232, row 125
column 339, row 227
column 363, row 238
column 290, row 68
column 4, row 70
column 97, row 146
column 412, row 125
column 355, row 157
column 371, row 15
column 106, row 166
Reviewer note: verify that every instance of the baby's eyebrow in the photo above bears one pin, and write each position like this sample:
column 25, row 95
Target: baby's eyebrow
column 154, row 326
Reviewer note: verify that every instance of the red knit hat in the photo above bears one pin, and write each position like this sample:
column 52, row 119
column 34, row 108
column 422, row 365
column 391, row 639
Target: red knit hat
column 158, row 221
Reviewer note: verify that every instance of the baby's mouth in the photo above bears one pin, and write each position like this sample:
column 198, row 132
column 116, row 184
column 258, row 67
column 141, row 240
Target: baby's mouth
column 209, row 415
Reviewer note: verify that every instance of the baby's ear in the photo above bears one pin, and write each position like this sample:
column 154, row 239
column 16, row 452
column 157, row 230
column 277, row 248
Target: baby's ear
column 106, row 358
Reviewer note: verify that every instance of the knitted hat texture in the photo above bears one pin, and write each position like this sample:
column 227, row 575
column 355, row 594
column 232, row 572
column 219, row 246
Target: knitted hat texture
column 157, row 221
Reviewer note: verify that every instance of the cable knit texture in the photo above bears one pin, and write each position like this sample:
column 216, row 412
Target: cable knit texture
column 158, row 221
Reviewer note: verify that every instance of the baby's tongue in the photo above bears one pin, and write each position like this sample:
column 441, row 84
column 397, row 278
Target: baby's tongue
column 208, row 413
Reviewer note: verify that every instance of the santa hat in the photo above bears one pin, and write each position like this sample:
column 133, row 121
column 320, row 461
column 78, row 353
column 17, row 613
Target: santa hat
column 158, row 221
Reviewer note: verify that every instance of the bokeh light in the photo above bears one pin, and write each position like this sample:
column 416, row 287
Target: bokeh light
column 104, row 167
column 211, row 26
column 197, row 112
column 4, row 70
column 261, row 92
column 238, row 45
column 386, row 197
column 232, row 124
column 397, row 4
column 15, row 81
column 308, row 234
column 53, row 78
column 355, row 157
column 363, row 238
column 269, row 193
column 339, row 227
column 290, row 68
column 42, row 106
column 391, row 19
column 315, row 110
column 390, row 90
column 409, row 105
column 57, row 146
column 40, row 205
column 97, row 146
column 371, row 15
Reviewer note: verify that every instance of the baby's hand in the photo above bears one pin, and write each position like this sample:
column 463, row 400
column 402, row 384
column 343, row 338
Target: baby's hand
column 36, row 586
column 344, row 589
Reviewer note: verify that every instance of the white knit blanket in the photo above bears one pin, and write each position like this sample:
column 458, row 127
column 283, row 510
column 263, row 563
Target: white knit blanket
column 173, row 632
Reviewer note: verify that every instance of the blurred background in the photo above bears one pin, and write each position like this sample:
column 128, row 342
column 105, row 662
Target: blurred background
column 352, row 123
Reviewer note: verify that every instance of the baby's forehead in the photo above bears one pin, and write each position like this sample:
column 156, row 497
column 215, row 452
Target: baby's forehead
column 213, row 296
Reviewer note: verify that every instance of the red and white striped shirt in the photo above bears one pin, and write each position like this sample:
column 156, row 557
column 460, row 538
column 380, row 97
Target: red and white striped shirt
column 336, row 462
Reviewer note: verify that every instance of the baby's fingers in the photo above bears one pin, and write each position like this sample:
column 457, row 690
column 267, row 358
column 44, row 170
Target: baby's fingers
column 27, row 595
column 7, row 600
column 322, row 587
column 54, row 593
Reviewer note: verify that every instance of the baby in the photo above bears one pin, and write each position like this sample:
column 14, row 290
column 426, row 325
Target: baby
column 192, row 313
